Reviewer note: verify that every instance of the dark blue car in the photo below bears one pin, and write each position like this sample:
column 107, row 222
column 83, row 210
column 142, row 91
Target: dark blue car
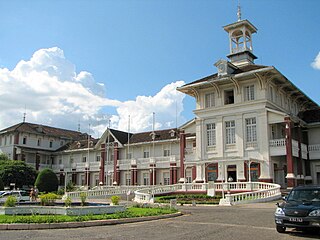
column 300, row 209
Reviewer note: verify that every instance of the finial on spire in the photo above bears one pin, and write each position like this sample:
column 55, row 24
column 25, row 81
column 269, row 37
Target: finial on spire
column 24, row 114
column 239, row 12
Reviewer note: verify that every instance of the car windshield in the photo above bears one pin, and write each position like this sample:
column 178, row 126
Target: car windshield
column 304, row 195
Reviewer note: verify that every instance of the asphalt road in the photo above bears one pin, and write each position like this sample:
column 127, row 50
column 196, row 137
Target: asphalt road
column 246, row 222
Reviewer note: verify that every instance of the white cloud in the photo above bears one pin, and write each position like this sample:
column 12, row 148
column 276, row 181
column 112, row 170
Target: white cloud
column 316, row 62
column 55, row 94
column 167, row 104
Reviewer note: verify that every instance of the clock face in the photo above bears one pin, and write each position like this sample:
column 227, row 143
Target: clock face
column 221, row 68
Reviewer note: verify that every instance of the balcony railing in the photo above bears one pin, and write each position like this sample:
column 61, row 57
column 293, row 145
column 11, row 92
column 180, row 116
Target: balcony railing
column 314, row 151
column 278, row 148
column 277, row 142
column 144, row 163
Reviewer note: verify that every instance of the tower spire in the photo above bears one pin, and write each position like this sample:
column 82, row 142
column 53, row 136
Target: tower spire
column 24, row 114
column 239, row 12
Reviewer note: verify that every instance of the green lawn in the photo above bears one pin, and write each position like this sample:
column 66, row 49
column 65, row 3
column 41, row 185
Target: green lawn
column 129, row 213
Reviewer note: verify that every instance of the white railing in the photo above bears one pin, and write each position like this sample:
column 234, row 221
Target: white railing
column 103, row 192
column 269, row 192
column 254, row 191
column 277, row 142
column 314, row 148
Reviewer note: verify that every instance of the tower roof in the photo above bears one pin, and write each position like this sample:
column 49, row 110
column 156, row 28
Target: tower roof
column 242, row 23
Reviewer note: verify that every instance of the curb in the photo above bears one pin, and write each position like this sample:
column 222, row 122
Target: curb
column 37, row 226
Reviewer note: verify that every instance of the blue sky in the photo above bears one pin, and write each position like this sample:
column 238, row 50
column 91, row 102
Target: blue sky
column 87, row 61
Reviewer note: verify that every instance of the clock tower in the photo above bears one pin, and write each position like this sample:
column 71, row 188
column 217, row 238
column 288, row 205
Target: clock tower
column 240, row 40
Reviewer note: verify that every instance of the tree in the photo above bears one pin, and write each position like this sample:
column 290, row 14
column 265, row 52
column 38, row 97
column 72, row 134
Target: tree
column 47, row 181
column 4, row 157
column 18, row 172
column 1, row 184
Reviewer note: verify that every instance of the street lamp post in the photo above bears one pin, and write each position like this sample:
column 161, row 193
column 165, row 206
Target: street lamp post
column 65, row 181
column 87, row 174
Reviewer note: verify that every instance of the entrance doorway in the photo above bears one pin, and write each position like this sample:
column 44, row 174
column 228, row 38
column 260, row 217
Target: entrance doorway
column 232, row 173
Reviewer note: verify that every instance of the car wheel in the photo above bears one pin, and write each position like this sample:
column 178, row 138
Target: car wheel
column 281, row 229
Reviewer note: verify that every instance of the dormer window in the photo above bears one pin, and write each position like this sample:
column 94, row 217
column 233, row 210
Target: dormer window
column 153, row 135
column 78, row 144
column 224, row 67
column 172, row 133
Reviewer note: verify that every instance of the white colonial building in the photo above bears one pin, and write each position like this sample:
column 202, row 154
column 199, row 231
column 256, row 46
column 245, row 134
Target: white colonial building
column 252, row 124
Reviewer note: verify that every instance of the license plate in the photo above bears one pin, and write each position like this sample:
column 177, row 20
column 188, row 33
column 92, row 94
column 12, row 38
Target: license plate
column 295, row 219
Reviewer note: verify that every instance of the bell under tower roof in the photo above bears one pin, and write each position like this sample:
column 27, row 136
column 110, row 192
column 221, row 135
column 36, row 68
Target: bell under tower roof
column 240, row 40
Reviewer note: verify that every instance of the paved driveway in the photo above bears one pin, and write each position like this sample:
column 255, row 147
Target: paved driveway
column 246, row 222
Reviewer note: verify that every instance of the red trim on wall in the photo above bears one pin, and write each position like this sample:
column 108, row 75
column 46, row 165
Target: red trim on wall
column 290, row 170
column 182, row 152
column 102, row 162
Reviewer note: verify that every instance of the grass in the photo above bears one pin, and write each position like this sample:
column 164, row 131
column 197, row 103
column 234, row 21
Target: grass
column 131, row 212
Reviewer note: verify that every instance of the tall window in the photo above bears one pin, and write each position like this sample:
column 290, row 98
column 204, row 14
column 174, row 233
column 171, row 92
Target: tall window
column 230, row 132
column 251, row 130
column 212, row 172
column 249, row 93
column 39, row 142
column 211, row 134
column 228, row 97
column 209, row 100
column 24, row 140
column 146, row 153
column 146, row 179
column 166, row 152
column 98, row 158
column 50, row 143
column 166, row 178
column 188, row 176
column 128, row 179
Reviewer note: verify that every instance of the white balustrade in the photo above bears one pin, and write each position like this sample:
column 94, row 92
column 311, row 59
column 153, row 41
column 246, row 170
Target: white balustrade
column 314, row 148
column 254, row 191
column 277, row 142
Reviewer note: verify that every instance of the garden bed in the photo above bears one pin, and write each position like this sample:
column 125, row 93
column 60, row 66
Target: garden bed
column 189, row 199
column 61, row 210
column 132, row 212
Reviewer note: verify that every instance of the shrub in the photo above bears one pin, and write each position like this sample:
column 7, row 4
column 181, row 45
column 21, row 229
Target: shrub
column 68, row 202
column 60, row 191
column 70, row 187
column 47, row 181
column 10, row 202
column 83, row 198
column 48, row 199
column 115, row 200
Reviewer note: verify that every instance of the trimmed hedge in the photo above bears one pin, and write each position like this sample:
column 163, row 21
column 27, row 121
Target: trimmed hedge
column 189, row 199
